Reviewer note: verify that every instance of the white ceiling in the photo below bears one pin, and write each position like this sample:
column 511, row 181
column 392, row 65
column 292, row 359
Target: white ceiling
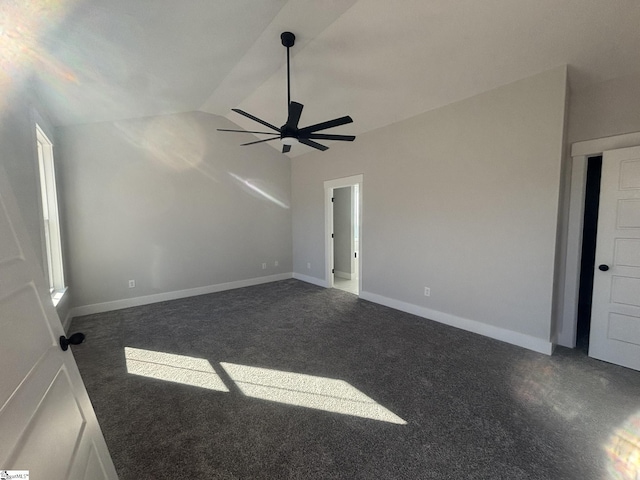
column 376, row 60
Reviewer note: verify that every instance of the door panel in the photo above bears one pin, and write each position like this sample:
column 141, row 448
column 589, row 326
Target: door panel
column 615, row 313
column 57, row 412
column 630, row 174
column 94, row 469
column 46, row 418
column 9, row 245
column 629, row 214
column 624, row 328
column 625, row 291
column 627, row 252
column 22, row 307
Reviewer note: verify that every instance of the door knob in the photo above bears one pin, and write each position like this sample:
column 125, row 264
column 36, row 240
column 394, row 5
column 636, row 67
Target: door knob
column 603, row 267
column 75, row 339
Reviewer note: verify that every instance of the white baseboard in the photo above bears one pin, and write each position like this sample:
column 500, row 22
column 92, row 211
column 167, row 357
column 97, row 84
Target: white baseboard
column 316, row 281
column 345, row 275
column 509, row 336
column 161, row 297
column 67, row 321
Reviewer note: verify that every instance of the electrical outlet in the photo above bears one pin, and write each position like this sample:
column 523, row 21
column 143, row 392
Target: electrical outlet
column 132, row 283
column 427, row 292
column 275, row 264
column 264, row 266
column 309, row 266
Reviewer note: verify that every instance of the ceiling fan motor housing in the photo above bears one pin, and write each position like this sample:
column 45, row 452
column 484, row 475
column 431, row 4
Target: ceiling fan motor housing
column 288, row 131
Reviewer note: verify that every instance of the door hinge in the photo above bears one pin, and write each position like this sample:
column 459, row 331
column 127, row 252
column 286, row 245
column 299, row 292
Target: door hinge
column 355, row 254
column 333, row 270
column 332, row 199
column 332, row 235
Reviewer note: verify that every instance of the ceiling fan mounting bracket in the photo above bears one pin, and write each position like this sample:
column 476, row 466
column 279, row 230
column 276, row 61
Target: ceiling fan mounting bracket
column 288, row 39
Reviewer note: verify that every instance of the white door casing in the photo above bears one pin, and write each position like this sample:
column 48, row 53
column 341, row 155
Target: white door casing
column 47, row 422
column 580, row 153
column 615, row 312
column 329, row 185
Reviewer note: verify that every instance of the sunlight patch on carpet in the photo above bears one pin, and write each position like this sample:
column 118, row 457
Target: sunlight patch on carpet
column 197, row 372
column 308, row 391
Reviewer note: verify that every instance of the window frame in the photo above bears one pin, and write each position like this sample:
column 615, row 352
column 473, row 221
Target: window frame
column 53, row 265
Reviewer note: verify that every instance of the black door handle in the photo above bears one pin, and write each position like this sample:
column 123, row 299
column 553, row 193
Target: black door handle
column 603, row 267
column 75, row 339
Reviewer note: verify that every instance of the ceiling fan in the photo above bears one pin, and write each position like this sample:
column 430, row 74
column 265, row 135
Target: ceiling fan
column 289, row 134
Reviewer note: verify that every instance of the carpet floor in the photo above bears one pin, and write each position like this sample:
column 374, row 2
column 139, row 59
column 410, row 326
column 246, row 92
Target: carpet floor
column 291, row 381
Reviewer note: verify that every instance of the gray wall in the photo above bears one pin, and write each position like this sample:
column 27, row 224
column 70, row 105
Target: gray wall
column 605, row 109
column 463, row 199
column 171, row 203
column 343, row 230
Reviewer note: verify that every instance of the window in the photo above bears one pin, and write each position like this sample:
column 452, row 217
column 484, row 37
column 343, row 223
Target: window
column 51, row 225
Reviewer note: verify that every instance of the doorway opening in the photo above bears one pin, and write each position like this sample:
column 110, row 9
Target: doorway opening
column 577, row 291
column 343, row 234
column 345, row 238
column 587, row 262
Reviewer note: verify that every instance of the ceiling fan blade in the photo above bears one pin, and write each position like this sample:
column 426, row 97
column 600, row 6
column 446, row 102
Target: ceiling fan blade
column 246, row 131
column 336, row 122
column 295, row 110
column 259, row 141
column 328, row 136
column 286, row 148
column 255, row 119
column 313, row 144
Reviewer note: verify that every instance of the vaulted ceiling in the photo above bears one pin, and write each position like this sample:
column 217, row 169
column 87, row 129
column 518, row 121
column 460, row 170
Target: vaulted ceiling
column 376, row 60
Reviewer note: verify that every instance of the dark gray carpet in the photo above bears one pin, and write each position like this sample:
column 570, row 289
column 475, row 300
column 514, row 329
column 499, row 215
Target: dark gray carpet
column 475, row 408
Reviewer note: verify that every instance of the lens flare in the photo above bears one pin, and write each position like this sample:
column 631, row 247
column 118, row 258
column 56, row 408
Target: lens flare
column 539, row 383
column 23, row 24
column 93, row 49
column 623, row 451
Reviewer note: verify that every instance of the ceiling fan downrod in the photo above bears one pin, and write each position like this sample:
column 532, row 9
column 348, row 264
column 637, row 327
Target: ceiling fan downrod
column 288, row 40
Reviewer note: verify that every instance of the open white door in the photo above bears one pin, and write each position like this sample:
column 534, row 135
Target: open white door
column 47, row 422
column 615, row 312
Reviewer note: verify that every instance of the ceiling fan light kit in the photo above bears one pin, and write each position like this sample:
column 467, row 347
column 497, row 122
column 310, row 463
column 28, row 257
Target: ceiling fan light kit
column 289, row 134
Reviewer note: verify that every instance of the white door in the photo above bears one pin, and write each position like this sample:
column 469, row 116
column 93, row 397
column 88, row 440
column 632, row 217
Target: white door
column 615, row 312
column 47, row 423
